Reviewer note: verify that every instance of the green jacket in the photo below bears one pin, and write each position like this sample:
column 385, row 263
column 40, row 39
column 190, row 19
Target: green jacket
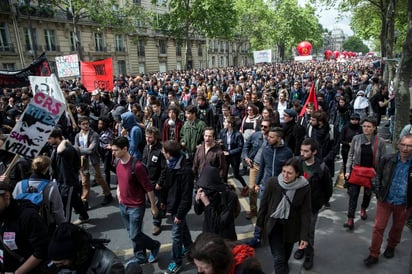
column 191, row 135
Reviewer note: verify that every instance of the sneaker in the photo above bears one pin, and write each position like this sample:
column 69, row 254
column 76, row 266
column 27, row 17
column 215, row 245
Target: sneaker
column 153, row 254
column 299, row 253
column 136, row 261
column 327, row 205
column 81, row 220
column 308, row 263
column 173, row 268
column 389, row 252
column 245, row 191
column 156, row 230
column 371, row 261
column 107, row 200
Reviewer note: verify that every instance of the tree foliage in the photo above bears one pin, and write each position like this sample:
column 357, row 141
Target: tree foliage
column 254, row 23
column 293, row 24
column 403, row 79
column 184, row 18
column 355, row 44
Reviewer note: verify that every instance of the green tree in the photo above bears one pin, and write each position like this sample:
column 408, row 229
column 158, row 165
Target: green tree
column 186, row 18
column 254, row 23
column 293, row 24
column 403, row 79
column 103, row 14
column 355, row 44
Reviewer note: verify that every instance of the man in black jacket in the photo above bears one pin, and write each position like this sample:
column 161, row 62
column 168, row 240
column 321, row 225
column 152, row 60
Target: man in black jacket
column 23, row 233
column 155, row 163
column 320, row 181
column 178, row 189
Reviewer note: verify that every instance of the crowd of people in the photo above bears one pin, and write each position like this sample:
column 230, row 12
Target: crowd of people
column 173, row 138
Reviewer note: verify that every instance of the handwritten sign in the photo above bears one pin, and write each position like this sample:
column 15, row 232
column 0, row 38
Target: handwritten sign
column 68, row 65
column 33, row 129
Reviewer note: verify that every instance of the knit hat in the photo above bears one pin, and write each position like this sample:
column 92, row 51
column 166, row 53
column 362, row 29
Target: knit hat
column 355, row 116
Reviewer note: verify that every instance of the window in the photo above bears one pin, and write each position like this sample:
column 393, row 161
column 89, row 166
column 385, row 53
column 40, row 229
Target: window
column 98, row 40
column 50, row 38
column 31, row 39
column 119, row 43
column 178, row 49
column 9, row 66
column 5, row 44
column 141, row 68
column 199, row 50
column 213, row 61
column 121, row 64
column 222, row 62
column 140, row 48
column 162, row 67
column 53, row 67
column 179, row 65
column 222, row 46
column 162, row 46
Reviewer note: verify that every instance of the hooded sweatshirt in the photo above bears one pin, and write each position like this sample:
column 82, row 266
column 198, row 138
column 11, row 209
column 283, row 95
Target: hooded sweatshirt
column 134, row 134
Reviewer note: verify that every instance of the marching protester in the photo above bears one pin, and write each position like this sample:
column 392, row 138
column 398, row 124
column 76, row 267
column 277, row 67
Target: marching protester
column 133, row 185
column 51, row 206
column 285, row 213
column 393, row 184
column 23, row 234
column 87, row 140
column 365, row 151
column 65, row 167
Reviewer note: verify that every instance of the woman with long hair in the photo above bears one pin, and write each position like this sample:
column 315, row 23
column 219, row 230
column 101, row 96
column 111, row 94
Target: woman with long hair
column 365, row 150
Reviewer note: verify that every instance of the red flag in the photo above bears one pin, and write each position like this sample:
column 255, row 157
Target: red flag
column 97, row 74
column 311, row 98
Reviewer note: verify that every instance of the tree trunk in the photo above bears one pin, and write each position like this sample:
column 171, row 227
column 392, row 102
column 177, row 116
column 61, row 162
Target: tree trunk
column 281, row 48
column 403, row 80
column 383, row 33
column 390, row 40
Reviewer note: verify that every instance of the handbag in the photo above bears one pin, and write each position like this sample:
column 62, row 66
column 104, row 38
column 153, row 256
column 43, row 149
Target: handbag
column 361, row 175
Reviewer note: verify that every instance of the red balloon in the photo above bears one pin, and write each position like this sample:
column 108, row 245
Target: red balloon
column 336, row 53
column 304, row 48
column 344, row 53
column 328, row 54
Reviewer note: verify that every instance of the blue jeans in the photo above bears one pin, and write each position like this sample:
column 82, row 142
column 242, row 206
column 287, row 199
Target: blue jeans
column 281, row 250
column 180, row 237
column 132, row 218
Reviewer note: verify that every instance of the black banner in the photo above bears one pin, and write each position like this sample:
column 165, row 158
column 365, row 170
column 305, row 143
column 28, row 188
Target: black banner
column 20, row 78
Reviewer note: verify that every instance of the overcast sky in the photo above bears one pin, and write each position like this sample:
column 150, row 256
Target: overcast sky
column 329, row 19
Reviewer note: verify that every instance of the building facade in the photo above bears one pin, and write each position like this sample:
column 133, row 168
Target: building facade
column 28, row 30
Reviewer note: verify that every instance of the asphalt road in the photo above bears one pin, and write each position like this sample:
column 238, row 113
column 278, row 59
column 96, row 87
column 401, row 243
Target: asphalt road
column 337, row 251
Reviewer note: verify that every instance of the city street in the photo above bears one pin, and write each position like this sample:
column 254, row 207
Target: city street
column 336, row 250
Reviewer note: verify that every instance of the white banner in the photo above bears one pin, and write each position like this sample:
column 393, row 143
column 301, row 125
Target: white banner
column 262, row 56
column 67, row 65
column 303, row 58
column 34, row 127
column 47, row 84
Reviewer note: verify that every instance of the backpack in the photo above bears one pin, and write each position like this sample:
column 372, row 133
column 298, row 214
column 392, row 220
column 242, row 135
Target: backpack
column 35, row 195
column 132, row 170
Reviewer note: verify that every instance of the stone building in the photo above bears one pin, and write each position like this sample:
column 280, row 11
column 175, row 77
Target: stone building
column 27, row 30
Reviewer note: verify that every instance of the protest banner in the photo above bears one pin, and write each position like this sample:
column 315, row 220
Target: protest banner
column 97, row 75
column 49, row 85
column 262, row 56
column 67, row 66
column 20, row 78
column 31, row 132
